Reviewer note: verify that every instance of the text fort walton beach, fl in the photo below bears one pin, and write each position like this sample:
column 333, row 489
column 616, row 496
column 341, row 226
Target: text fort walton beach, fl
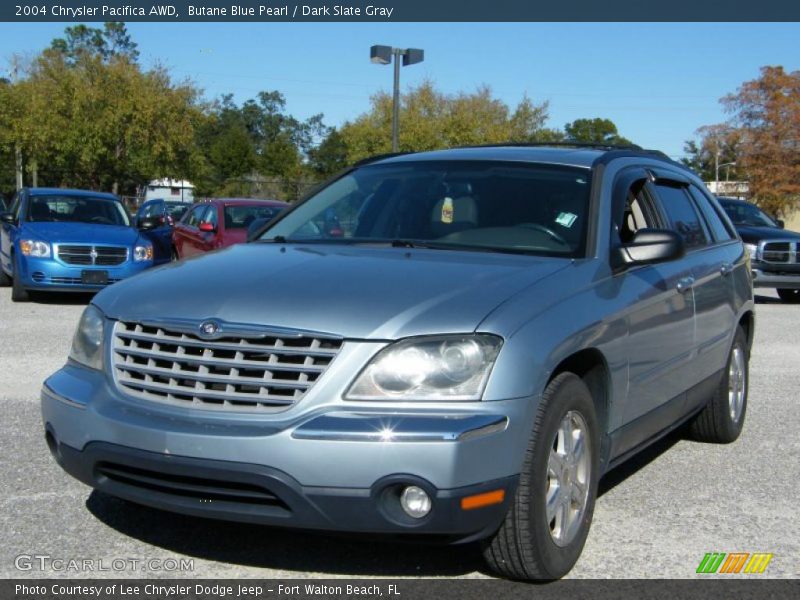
column 233, row 10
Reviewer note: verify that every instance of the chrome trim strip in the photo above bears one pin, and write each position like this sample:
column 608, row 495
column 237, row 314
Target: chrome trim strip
column 48, row 391
column 361, row 427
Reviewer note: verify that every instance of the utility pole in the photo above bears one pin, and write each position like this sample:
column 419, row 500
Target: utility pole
column 383, row 55
column 17, row 149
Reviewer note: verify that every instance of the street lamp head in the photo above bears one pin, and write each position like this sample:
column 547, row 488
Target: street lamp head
column 380, row 55
column 413, row 56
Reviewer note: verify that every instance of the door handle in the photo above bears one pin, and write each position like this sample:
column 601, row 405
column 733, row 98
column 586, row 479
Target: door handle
column 685, row 284
column 726, row 269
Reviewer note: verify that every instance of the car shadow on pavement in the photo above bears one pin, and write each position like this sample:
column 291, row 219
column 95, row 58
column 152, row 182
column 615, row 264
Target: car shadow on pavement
column 639, row 461
column 767, row 299
column 273, row 548
column 66, row 298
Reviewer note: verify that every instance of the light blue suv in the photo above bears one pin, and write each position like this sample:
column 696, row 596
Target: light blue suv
column 487, row 333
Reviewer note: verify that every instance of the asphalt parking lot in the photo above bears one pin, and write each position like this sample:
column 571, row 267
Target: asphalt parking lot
column 656, row 518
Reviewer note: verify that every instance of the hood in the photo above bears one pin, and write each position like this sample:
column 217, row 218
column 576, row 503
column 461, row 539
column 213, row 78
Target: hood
column 355, row 292
column 82, row 233
column 753, row 235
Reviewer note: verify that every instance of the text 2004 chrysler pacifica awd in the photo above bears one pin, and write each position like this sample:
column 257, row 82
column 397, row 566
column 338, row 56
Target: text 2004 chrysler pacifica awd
column 489, row 331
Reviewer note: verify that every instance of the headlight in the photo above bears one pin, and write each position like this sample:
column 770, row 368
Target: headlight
column 87, row 344
column 141, row 253
column 34, row 248
column 430, row 368
column 752, row 250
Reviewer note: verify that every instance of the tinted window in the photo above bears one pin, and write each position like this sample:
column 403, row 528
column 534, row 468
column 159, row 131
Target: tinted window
column 193, row 218
column 682, row 215
column 718, row 228
column 460, row 204
column 240, row 217
column 744, row 213
column 77, row 209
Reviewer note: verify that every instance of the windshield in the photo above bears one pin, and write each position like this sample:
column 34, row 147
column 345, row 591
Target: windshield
column 77, row 209
column 240, row 217
column 474, row 205
column 742, row 213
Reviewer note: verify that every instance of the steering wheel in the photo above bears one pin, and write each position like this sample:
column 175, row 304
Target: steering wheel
column 545, row 230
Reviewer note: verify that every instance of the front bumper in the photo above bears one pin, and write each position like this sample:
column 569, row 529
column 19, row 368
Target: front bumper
column 330, row 469
column 775, row 279
column 49, row 274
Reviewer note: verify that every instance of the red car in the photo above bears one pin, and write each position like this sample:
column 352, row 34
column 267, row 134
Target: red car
column 219, row 223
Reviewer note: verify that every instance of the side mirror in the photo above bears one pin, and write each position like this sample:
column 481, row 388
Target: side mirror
column 780, row 223
column 651, row 246
column 207, row 227
column 148, row 223
column 7, row 217
column 255, row 227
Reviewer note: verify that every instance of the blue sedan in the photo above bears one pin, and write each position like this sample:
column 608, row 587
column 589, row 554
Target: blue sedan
column 68, row 240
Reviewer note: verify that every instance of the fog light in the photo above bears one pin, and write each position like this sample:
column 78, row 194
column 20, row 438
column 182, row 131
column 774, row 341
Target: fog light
column 415, row 502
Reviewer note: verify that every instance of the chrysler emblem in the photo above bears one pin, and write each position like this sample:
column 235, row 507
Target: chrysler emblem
column 209, row 328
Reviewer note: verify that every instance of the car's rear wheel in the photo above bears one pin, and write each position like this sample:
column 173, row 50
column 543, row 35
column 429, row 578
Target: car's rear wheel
column 721, row 421
column 549, row 519
column 789, row 296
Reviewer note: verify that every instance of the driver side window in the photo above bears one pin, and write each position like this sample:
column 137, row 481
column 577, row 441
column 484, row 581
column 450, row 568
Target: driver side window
column 639, row 212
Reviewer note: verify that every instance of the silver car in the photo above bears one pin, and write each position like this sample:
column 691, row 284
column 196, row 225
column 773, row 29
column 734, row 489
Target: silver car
column 456, row 344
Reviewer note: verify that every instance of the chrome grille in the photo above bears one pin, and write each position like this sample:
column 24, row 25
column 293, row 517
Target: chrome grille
column 265, row 373
column 781, row 252
column 92, row 255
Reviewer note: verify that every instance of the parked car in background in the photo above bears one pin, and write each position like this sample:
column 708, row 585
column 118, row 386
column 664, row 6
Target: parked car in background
column 494, row 330
column 68, row 240
column 774, row 252
column 156, row 219
column 219, row 223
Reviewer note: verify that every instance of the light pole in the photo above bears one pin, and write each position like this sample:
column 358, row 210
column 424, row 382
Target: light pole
column 383, row 55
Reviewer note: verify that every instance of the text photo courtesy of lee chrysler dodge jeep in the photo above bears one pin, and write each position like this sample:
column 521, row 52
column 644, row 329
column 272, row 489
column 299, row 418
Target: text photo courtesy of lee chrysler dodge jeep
column 489, row 331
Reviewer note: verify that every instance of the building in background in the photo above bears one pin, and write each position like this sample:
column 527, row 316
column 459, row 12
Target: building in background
column 169, row 189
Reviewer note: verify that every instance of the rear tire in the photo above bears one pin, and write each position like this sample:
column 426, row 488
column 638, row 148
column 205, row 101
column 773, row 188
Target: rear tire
column 721, row 421
column 789, row 296
column 530, row 544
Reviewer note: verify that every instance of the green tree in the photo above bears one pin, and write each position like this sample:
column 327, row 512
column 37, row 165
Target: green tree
column 330, row 156
column 101, row 122
column 111, row 41
column 594, row 131
column 430, row 119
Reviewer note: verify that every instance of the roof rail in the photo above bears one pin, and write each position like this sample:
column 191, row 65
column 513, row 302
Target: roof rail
column 377, row 157
column 587, row 145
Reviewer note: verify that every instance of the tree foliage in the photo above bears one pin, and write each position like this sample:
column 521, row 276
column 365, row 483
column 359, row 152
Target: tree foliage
column 766, row 113
column 430, row 119
column 714, row 146
column 101, row 122
column 111, row 41
column 594, row 131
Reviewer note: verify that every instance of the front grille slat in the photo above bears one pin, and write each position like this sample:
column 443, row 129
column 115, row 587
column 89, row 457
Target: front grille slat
column 781, row 252
column 232, row 373
column 109, row 256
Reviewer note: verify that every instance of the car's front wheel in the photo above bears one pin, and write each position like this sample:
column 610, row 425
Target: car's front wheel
column 18, row 291
column 721, row 421
column 547, row 524
column 5, row 280
column 789, row 296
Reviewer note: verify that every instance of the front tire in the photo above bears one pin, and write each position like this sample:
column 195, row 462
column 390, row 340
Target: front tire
column 5, row 280
column 721, row 421
column 18, row 292
column 547, row 524
column 789, row 296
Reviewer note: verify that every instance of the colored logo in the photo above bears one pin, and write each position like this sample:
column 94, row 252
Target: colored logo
column 734, row 562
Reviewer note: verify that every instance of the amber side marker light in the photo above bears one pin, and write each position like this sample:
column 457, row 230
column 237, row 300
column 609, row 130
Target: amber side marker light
column 481, row 500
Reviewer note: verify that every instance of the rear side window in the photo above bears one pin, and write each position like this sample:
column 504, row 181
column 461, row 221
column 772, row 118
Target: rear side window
column 682, row 215
column 718, row 228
